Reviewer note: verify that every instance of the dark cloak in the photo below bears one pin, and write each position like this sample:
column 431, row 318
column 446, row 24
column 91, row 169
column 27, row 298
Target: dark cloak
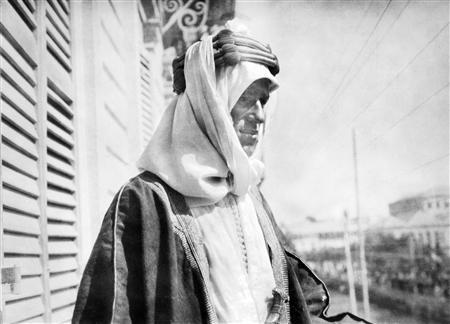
column 140, row 270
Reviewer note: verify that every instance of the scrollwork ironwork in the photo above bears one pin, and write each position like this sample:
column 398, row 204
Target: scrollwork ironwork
column 171, row 5
column 188, row 15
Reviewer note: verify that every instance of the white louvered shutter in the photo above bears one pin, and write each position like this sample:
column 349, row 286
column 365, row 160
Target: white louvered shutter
column 21, row 215
column 61, row 172
column 38, row 160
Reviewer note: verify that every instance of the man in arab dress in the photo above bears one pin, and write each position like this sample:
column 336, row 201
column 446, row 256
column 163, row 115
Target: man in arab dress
column 191, row 239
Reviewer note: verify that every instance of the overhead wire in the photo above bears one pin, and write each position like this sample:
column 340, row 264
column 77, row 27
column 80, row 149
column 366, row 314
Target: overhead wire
column 346, row 45
column 374, row 28
column 322, row 112
column 391, row 180
column 406, row 116
column 400, row 72
column 410, row 113
column 389, row 84
column 380, row 40
column 374, row 50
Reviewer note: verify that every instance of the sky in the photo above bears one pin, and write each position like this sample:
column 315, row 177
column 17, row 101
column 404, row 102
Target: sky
column 378, row 67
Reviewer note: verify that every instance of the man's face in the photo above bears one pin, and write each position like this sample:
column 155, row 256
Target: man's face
column 248, row 114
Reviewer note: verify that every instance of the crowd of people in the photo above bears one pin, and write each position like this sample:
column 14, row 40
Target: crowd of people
column 424, row 275
column 393, row 264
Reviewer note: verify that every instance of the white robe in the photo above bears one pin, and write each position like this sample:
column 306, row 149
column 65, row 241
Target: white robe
column 240, row 273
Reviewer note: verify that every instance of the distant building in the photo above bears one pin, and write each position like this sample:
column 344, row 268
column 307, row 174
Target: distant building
column 424, row 217
column 314, row 235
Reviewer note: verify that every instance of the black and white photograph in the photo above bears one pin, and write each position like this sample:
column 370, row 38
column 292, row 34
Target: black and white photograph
column 225, row 161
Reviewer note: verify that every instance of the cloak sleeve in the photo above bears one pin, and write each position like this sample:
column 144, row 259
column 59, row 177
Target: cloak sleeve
column 107, row 290
column 135, row 272
column 308, row 294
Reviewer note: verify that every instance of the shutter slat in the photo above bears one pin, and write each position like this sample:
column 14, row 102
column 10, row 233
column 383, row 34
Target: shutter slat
column 21, row 244
column 148, row 120
column 145, row 102
column 18, row 99
column 61, row 214
column 63, row 17
column 112, row 118
column 37, row 319
column 65, row 280
column 19, row 160
column 113, row 67
column 55, row 99
column 28, row 15
column 62, row 247
column 114, row 97
column 60, row 149
column 61, row 58
column 115, row 109
column 59, row 76
column 61, row 230
column 23, row 143
column 18, row 119
column 147, row 123
column 116, row 141
column 113, row 79
column 64, row 5
column 20, row 202
column 29, row 287
column 61, row 134
column 60, row 165
column 146, row 97
column 29, row 266
column 146, row 78
column 63, row 264
column 59, row 40
column 17, row 28
column 63, row 298
column 57, row 22
column 19, row 181
column 61, row 198
column 60, row 181
column 64, row 122
column 31, row 5
column 62, row 315
column 8, row 50
column 23, row 310
column 110, row 25
column 19, row 223
column 18, row 81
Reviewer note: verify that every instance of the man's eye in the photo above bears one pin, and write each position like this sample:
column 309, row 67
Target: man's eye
column 247, row 101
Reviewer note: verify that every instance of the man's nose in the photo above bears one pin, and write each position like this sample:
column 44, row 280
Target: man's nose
column 259, row 113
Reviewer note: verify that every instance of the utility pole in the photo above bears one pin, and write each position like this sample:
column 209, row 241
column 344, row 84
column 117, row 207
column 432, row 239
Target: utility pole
column 348, row 259
column 362, row 248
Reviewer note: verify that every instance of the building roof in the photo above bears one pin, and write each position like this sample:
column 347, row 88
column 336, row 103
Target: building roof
column 420, row 219
column 388, row 223
column 426, row 218
column 312, row 228
column 409, row 212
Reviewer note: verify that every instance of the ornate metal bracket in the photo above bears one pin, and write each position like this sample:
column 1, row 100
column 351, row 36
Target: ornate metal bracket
column 190, row 16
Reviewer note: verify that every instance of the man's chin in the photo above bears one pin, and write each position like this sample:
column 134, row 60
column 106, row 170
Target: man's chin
column 248, row 143
column 249, row 149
